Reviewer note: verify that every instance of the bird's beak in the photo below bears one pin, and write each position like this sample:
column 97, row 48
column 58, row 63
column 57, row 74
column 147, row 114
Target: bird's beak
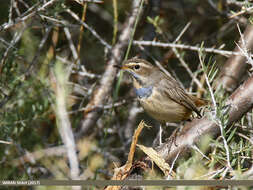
column 122, row 68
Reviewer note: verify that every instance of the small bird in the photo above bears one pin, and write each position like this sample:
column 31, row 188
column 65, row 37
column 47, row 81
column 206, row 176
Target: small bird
column 159, row 94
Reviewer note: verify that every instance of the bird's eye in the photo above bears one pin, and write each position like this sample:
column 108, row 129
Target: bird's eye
column 136, row 67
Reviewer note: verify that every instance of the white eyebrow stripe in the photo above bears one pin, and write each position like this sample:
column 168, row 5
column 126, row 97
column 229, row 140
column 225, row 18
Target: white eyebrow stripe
column 131, row 64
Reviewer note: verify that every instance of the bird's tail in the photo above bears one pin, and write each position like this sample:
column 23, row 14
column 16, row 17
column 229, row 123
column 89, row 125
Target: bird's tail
column 200, row 102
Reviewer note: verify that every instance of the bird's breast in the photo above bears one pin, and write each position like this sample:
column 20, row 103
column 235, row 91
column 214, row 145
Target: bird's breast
column 143, row 92
column 162, row 108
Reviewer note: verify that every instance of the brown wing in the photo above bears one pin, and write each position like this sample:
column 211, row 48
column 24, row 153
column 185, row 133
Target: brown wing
column 171, row 88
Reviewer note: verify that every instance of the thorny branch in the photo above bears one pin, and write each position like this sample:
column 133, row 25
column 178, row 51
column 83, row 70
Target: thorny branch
column 235, row 67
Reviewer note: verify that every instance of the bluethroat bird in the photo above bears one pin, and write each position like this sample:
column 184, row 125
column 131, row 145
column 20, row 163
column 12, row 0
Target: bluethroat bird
column 159, row 94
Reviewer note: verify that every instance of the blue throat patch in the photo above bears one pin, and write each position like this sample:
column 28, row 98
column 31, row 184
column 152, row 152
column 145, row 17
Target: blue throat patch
column 144, row 92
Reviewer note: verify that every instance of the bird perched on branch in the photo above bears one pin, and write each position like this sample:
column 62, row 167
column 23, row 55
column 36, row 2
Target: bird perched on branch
column 159, row 94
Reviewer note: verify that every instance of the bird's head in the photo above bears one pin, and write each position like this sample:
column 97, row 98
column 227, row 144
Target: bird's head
column 141, row 70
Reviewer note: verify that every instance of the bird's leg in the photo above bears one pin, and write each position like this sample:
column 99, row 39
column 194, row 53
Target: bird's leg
column 160, row 134
column 174, row 135
column 158, row 138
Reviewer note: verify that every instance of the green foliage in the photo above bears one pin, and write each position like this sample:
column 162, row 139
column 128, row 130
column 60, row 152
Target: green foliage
column 237, row 146
column 156, row 22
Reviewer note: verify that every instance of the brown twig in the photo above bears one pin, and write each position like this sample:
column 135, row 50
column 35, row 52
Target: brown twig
column 81, row 31
column 124, row 171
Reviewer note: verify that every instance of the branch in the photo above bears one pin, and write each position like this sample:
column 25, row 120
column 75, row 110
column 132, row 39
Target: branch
column 235, row 67
column 75, row 16
column 81, row 2
column 183, row 46
column 63, row 122
column 28, row 14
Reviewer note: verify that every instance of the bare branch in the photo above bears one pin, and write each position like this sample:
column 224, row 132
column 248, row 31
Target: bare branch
column 182, row 46
column 88, row 1
column 71, row 44
column 235, row 67
column 5, row 26
column 75, row 16
column 247, row 10
column 244, row 49
column 64, row 125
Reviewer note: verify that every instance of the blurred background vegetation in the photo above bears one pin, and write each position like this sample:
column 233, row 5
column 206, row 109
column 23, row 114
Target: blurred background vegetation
column 31, row 146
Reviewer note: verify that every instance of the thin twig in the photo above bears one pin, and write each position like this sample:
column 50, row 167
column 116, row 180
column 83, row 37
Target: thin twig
column 71, row 44
column 75, row 16
column 198, row 150
column 172, row 166
column 182, row 32
column 59, row 22
column 10, row 11
column 5, row 26
column 244, row 136
column 182, row 60
column 212, row 174
column 16, row 8
column 244, row 49
column 115, row 20
column 238, row 3
column 247, row 10
column 183, row 46
column 81, row 33
column 215, row 112
column 81, row 2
